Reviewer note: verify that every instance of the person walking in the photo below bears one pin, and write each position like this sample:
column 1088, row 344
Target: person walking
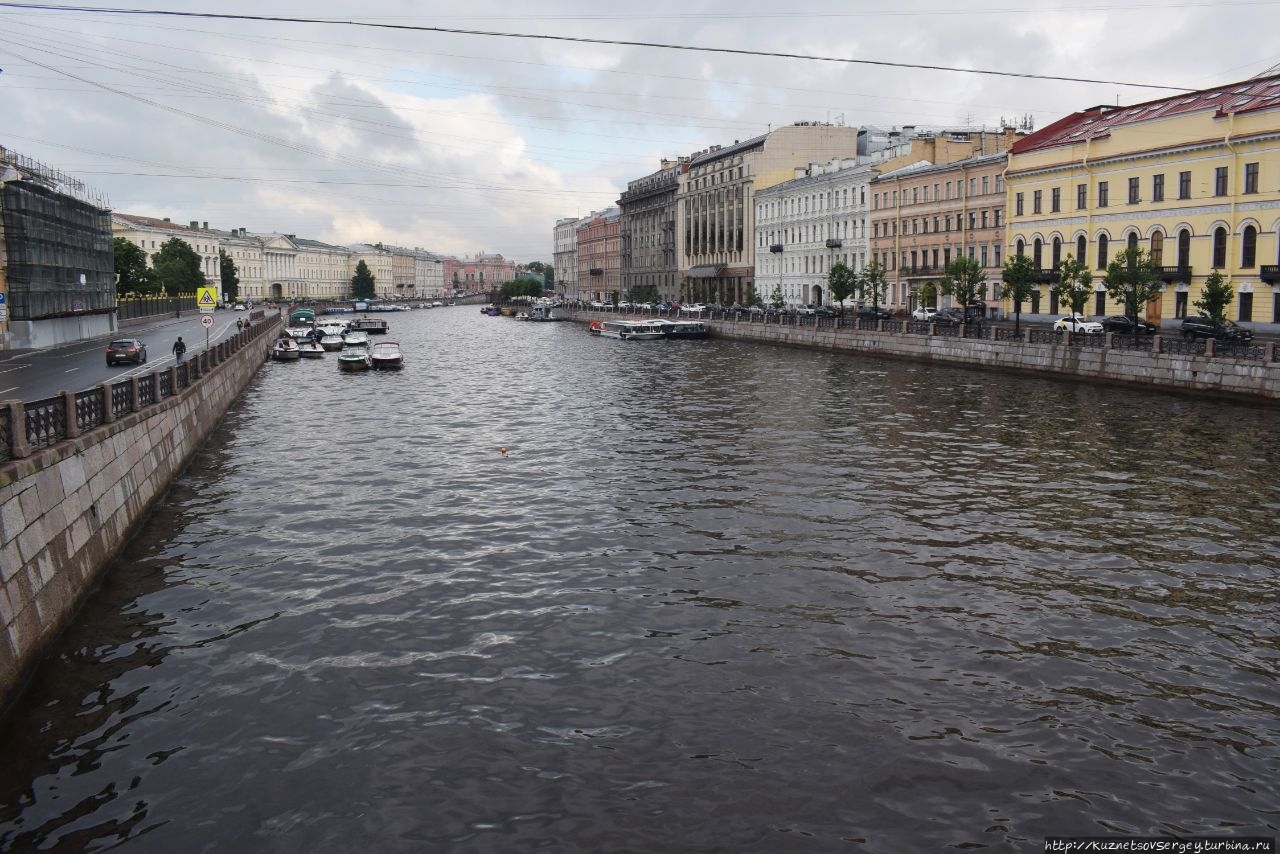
column 239, row 324
column 179, row 349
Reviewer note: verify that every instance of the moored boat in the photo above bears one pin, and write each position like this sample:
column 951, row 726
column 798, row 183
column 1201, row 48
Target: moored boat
column 594, row 329
column 631, row 330
column 371, row 325
column 386, row 356
column 332, row 343
column 285, row 350
column 354, row 359
column 683, row 328
column 355, row 338
column 310, row 349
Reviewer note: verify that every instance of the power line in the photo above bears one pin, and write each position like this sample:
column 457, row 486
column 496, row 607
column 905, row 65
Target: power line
column 580, row 40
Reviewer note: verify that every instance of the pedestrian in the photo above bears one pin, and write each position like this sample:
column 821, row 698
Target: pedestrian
column 239, row 324
column 179, row 349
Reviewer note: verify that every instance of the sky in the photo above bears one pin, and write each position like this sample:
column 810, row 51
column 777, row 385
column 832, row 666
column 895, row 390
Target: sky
column 461, row 143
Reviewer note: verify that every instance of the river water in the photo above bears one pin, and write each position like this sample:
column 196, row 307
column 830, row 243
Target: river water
column 717, row 597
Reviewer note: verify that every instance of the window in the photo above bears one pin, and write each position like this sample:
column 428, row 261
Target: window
column 1220, row 181
column 995, row 260
column 1082, row 248
column 1249, row 247
column 1157, row 188
column 973, row 222
column 1134, row 195
column 973, row 191
column 1102, row 252
column 1019, row 248
column 1133, row 240
column 1219, row 248
column 986, row 184
column 1157, row 248
column 1057, row 252
column 999, row 216
column 1103, row 193
column 1037, row 254
column 1055, row 200
column 1037, row 201
column 1184, row 249
column 1184, row 185
column 1017, row 204
column 984, row 218
column 1250, row 178
column 1082, row 196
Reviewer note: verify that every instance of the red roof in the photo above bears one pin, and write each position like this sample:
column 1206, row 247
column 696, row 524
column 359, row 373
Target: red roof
column 151, row 222
column 1248, row 96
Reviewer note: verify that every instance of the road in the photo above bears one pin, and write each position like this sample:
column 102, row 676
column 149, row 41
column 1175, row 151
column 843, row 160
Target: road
column 30, row 375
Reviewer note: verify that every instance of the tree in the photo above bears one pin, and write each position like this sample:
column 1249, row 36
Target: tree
column 965, row 282
column 177, row 267
column 873, row 282
column 1215, row 298
column 363, row 282
column 1075, row 283
column 1020, row 278
column 776, row 299
column 230, row 275
column 753, row 298
column 842, row 282
column 133, row 274
column 1133, row 280
column 929, row 294
column 545, row 270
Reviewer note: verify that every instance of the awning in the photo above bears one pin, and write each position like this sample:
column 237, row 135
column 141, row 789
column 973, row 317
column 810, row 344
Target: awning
column 705, row 271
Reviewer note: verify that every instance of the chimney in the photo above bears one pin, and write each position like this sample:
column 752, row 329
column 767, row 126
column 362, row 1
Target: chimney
column 206, row 226
column 194, row 225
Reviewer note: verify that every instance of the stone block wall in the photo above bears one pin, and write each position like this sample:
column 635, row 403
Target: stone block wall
column 66, row 511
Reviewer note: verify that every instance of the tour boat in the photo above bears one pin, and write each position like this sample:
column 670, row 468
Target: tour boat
column 371, row 325
column 631, row 330
column 285, row 350
column 386, row 356
column 683, row 328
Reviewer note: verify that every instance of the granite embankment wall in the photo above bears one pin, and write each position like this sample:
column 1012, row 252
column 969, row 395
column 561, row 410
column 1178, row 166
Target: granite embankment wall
column 1094, row 358
column 81, row 471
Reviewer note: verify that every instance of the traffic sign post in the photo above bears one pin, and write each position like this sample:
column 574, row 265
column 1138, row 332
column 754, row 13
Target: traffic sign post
column 206, row 300
column 206, row 320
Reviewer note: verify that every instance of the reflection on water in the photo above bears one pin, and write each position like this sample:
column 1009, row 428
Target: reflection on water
column 719, row 597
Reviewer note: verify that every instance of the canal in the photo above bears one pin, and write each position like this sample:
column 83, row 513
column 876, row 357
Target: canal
column 715, row 597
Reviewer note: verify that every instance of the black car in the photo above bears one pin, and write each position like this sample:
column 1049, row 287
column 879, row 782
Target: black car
column 1204, row 327
column 874, row 314
column 126, row 350
column 825, row 311
column 948, row 317
column 1124, row 323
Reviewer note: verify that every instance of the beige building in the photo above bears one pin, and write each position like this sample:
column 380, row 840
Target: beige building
column 380, row 263
column 1193, row 179
column 324, row 269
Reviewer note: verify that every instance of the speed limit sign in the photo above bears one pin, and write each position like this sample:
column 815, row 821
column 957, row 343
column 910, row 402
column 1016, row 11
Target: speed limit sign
column 206, row 320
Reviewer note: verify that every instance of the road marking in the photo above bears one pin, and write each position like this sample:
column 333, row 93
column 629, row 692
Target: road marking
column 70, row 370
column 7, row 390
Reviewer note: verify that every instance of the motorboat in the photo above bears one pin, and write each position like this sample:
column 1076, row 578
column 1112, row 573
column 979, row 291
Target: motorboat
column 371, row 325
column 386, row 356
column 544, row 312
column 310, row 349
column 354, row 359
column 437, row 305
column 298, row 333
column 683, row 328
column 285, row 350
column 632, row 330
column 355, row 338
column 331, row 343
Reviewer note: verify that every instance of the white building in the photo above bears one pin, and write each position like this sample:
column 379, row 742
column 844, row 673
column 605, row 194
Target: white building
column 428, row 275
column 805, row 225
column 380, row 263
column 565, row 257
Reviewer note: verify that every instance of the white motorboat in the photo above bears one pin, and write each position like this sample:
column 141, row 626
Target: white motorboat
column 331, row 343
column 355, row 338
column 386, row 356
column 310, row 349
column 354, row 359
column 285, row 350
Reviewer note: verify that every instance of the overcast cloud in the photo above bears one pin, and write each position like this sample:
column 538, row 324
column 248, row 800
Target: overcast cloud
column 461, row 144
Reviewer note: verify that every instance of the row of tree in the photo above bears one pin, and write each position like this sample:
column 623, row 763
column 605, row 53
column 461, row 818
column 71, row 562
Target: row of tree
column 174, row 269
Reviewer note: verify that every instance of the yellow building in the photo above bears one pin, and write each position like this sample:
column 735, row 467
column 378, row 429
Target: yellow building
column 1194, row 179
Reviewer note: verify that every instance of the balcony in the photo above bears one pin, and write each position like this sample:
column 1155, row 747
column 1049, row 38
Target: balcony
column 775, row 248
column 596, row 271
column 1175, row 274
column 1269, row 273
column 1048, row 277
column 834, row 243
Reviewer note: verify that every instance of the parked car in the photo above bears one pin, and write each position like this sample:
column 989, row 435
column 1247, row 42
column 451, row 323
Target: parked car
column 1203, row 327
column 825, row 311
column 126, row 350
column 1124, row 323
column 693, row 308
column 924, row 312
column 1077, row 323
column 874, row 314
column 948, row 317
column 241, row 307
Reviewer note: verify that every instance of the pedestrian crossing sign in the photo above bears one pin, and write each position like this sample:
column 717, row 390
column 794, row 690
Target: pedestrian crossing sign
column 206, row 299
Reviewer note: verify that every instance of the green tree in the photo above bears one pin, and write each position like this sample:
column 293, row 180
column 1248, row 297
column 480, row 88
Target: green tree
column 177, row 267
column 230, row 275
column 363, row 282
column 1133, row 280
column 929, row 294
column 1075, row 283
column 544, row 270
column 964, row 282
column 776, row 299
column 873, row 282
column 1215, row 298
column 842, row 282
column 1020, row 279
column 133, row 276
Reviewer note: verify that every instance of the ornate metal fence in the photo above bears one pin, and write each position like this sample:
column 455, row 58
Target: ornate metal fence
column 90, row 409
column 46, row 421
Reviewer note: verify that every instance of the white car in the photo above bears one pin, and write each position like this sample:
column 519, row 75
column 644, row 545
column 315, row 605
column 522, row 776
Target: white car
column 240, row 307
column 695, row 308
column 925, row 313
column 1077, row 323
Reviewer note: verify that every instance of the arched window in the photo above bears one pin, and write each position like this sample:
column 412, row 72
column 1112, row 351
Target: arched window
column 1219, row 248
column 1184, row 249
column 1020, row 247
column 1082, row 248
column 1249, row 247
column 1157, row 248
column 1037, row 254
column 1133, row 240
column 1057, row 252
column 1102, row 251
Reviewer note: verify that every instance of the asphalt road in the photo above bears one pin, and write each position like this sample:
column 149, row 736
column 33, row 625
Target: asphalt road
column 29, row 375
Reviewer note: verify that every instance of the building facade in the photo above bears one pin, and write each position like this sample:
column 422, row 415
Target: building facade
column 806, row 225
column 480, row 274
column 1192, row 179
column 924, row 216
column 245, row 252
column 565, row 257
column 600, row 256
column 325, row 269
column 380, row 263
column 715, row 210
column 648, row 228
